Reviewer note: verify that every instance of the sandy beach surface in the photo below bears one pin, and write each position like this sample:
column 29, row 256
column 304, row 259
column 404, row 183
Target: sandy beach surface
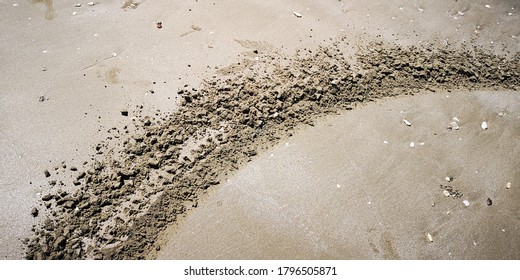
column 106, row 118
column 336, row 190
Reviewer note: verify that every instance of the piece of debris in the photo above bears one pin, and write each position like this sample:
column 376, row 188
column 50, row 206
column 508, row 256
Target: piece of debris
column 466, row 203
column 159, row 25
column 454, row 126
column 124, row 112
column 430, row 238
column 408, row 123
column 412, row 144
column 484, row 125
column 446, row 193
column 298, row 15
column 508, row 185
column 34, row 212
column 448, row 179
column 91, row 3
column 47, row 173
column 489, row 202
column 42, row 98
column 77, row 5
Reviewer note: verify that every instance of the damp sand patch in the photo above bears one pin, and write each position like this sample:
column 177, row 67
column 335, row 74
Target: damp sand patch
column 125, row 198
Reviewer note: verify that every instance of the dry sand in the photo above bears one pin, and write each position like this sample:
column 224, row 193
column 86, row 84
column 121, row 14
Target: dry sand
column 104, row 58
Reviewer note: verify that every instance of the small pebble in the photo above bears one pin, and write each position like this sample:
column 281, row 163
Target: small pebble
column 508, row 185
column 466, row 203
column 484, row 125
column 91, row 3
column 430, row 238
column 446, row 193
column 407, row 122
column 489, row 202
column 77, row 5
column 47, row 173
column 448, row 179
column 41, row 98
column 298, row 15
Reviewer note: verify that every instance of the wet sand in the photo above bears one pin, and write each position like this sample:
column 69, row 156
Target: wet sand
column 91, row 65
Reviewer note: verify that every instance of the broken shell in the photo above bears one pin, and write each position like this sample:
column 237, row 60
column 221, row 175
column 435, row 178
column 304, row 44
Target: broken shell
column 298, row 15
column 489, row 202
column 454, row 126
column 484, row 125
column 508, row 185
column 430, row 238
column 466, row 203
column 408, row 123
column 446, row 193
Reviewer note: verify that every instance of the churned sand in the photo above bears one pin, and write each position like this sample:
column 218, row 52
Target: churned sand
column 180, row 129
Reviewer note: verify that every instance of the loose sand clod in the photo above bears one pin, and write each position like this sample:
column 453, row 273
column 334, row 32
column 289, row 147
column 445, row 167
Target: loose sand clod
column 126, row 197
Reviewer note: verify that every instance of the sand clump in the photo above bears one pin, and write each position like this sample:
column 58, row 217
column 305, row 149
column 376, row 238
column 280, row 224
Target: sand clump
column 125, row 197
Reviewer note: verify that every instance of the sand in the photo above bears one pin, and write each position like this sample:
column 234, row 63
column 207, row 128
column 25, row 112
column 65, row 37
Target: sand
column 351, row 187
column 91, row 65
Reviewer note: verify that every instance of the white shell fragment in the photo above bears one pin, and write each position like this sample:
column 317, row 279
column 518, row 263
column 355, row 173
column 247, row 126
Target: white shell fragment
column 454, row 125
column 484, row 125
column 430, row 238
column 408, row 123
column 466, row 203
column 448, row 179
column 298, row 15
column 412, row 144
column 446, row 193
column 508, row 185
column 91, row 3
column 77, row 5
